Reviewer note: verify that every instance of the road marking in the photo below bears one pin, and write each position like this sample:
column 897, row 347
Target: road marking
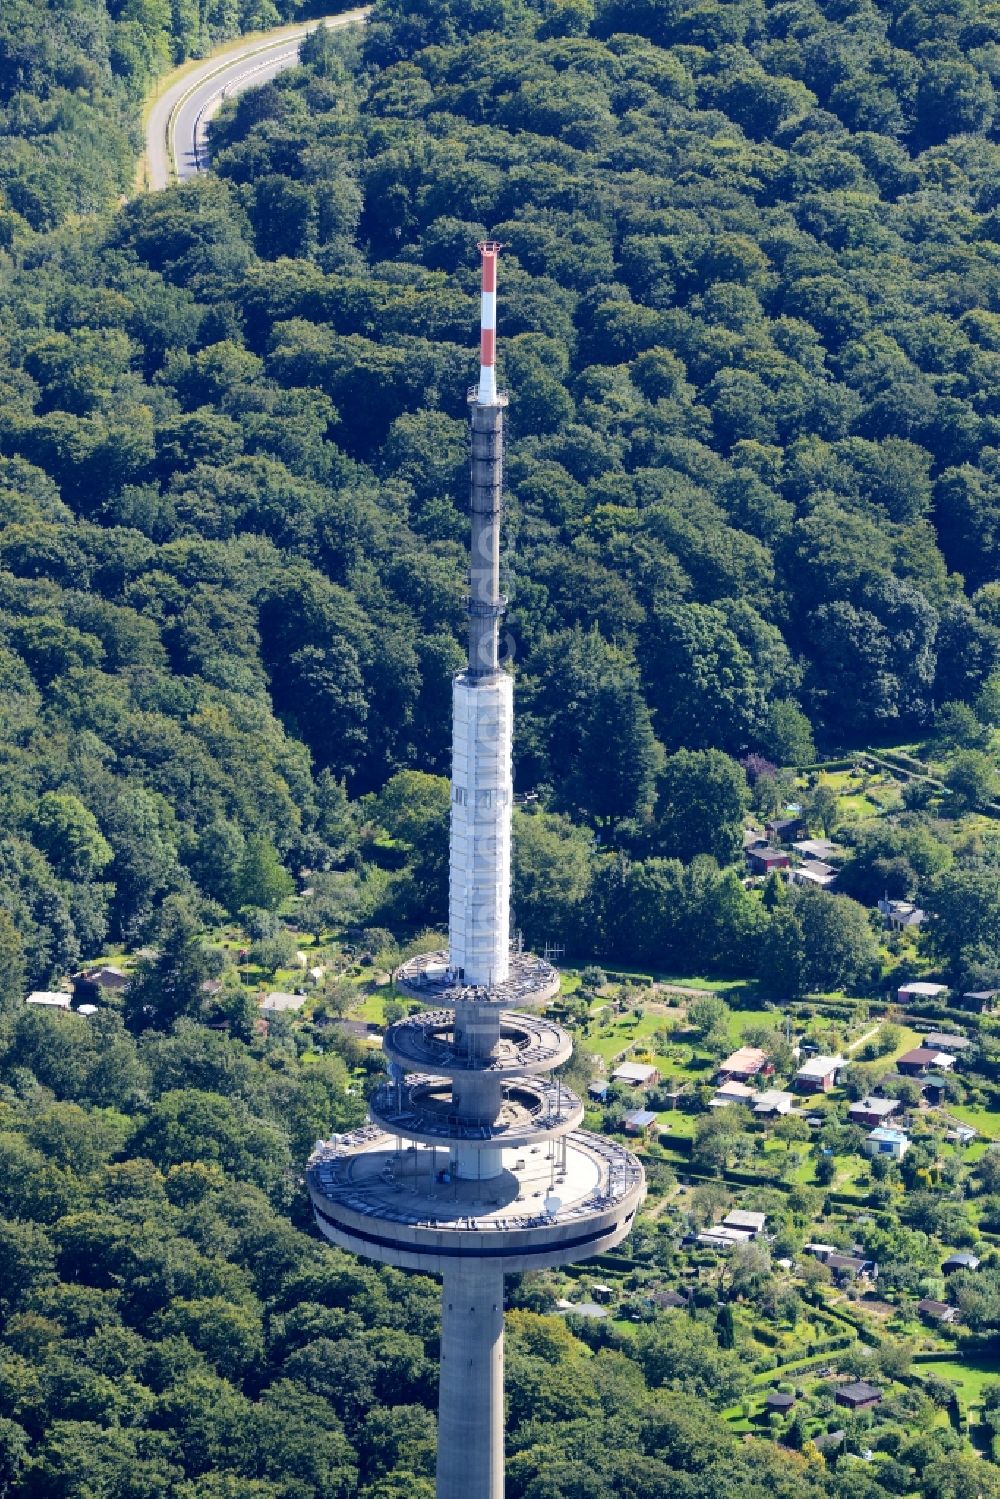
column 211, row 107
column 204, row 78
column 228, row 61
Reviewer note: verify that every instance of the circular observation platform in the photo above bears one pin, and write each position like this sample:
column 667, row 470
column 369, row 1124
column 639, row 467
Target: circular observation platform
column 422, row 1108
column 551, row 1204
column 426, row 1043
column 430, row 978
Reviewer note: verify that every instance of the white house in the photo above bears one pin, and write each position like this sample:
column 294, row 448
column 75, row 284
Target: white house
column 918, row 989
column 636, row 1074
column 819, row 1074
column 277, row 1003
column 49, row 999
column 745, row 1223
column 886, row 1141
column 731, row 1092
column 772, row 1101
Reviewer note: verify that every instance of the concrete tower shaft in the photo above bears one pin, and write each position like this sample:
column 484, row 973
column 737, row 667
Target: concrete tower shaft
column 472, row 1165
column 483, row 699
column 486, row 604
column 481, row 795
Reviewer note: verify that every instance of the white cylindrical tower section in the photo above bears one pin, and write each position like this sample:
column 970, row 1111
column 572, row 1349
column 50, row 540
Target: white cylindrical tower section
column 487, row 393
column 481, row 797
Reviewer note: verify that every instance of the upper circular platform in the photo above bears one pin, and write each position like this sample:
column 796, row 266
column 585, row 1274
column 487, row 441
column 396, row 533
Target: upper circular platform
column 551, row 1204
column 422, row 1108
column 426, row 1043
column 430, row 978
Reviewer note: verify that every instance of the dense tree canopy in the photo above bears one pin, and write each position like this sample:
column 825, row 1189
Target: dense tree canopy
column 72, row 78
column 747, row 323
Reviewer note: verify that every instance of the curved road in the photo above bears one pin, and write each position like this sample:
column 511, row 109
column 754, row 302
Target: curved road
column 177, row 130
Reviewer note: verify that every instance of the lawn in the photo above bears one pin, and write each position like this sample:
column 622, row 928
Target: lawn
column 861, row 796
column 984, row 1120
column 676, row 1126
column 610, row 1040
column 371, row 1006
column 741, row 1021
column 908, row 1039
column 969, row 1374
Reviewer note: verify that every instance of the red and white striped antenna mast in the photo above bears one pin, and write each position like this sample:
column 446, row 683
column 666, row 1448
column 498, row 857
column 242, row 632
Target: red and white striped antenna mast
column 489, row 249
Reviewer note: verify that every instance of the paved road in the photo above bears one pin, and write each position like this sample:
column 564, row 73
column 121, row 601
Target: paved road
column 177, row 132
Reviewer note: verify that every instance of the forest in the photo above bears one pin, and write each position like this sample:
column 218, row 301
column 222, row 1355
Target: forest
column 73, row 77
column 750, row 324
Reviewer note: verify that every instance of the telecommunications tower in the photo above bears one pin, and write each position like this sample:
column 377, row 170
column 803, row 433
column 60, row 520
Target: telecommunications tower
column 472, row 1164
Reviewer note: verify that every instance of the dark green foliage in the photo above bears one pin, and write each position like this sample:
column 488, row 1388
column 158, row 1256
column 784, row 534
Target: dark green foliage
column 748, row 326
column 168, row 986
column 72, row 79
column 817, row 941
column 701, row 805
column 750, row 432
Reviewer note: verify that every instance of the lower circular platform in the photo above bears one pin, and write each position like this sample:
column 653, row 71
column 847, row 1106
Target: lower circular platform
column 430, row 978
column 551, row 1204
column 423, row 1109
column 426, row 1043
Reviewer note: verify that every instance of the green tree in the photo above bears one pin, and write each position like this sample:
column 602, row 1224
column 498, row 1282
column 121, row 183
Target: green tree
column 67, row 832
column 12, row 969
column 823, row 808
column 702, row 800
column 965, row 902
column 166, row 987
column 707, row 1013
column 551, row 879
column 972, row 779
column 262, row 879
column 414, row 808
column 618, row 756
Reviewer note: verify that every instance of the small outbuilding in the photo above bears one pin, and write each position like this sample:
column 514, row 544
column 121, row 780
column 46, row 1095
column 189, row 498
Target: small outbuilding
column 885, row 1141
column 945, row 1041
column 279, row 1003
column 817, row 848
column 901, row 915
column 923, row 1059
column 772, row 1101
column 640, row 1122
column 107, row 976
column 872, row 1111
column 983, row 1001
column 918, row 990
column 961, row 1260
column 747, row 1062
column 668, row 1301
column 813, row 872
column 49, row 999
column 779, row 1401
column 731, row 1092
column 598, row 1089
column 937, row 1311
column 850, row 1266
column 722, row 1238
column 819, row 1074
column 636, row 1074
column 766, row 860
column 786, row 829
column 859, row 1395
column 751, row 1224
